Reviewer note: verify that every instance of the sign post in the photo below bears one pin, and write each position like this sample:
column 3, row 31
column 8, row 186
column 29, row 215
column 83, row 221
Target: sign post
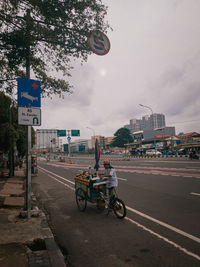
column 29, row 113
column 69, row 139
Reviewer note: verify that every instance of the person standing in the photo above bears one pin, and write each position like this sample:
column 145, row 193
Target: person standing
column 112, row 177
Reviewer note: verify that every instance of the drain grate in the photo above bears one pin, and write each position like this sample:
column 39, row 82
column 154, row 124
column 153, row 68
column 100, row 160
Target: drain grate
column 37, row 245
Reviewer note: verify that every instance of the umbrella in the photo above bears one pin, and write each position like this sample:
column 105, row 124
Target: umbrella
column 97, row 155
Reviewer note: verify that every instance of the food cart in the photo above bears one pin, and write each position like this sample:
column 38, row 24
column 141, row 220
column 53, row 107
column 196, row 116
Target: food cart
column 87, row 188
column 90, row 188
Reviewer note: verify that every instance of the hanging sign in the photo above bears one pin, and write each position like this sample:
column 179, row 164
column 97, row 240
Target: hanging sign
column 99, row 43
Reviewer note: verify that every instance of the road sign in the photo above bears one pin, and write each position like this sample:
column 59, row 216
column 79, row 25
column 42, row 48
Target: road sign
column 29, row 93
column 68, row 138
column 61, row 133
column 29, row 116
column 75, row 132
column 99, row 43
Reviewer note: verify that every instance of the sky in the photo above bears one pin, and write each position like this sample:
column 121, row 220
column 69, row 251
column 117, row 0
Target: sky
column 154, row 60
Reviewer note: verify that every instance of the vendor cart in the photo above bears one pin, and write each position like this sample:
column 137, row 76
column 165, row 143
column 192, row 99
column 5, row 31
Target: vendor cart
column 89, row 188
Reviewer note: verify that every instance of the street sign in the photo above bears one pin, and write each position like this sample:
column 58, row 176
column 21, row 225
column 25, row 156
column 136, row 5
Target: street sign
column 29, row 116
column 75, row 132
column 99, row 43
column 68, row 138
column 29, row 93
column 61, row 133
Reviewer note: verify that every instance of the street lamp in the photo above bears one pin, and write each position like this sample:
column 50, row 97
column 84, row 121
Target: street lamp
column 152, row 118
column 92, row 130
column 150, row 110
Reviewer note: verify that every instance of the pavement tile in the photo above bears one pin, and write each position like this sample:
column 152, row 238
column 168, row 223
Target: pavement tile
column 11, row 191
column 13, row 186
column 13, row 255
column 17, row 232
column 14, row 201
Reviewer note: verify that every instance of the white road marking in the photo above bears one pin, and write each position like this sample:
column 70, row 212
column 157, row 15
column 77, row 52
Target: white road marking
column 194, row 238
column 57, row 176
column 123, row 179
column 196, row 194
column 184, row 250
column 59, row 181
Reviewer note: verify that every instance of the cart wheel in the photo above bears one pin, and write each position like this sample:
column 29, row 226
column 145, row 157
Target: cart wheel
column 119, row 208
column 81, row 199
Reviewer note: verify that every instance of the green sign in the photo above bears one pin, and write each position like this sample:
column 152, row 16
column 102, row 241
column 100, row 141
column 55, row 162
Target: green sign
column 75, row 132
column 61, row 133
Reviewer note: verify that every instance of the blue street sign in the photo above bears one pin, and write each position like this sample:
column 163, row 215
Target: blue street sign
column 29, row 93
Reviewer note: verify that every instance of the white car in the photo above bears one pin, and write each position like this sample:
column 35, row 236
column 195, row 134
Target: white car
column 153, row 152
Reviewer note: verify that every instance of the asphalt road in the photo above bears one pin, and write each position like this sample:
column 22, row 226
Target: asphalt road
column 162, row 224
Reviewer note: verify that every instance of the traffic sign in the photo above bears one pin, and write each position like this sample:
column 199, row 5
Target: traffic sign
column 29, row 93
column 29, row 116
column 68, row 138
column 75, row 132
column 99, row 43
column 61, row 133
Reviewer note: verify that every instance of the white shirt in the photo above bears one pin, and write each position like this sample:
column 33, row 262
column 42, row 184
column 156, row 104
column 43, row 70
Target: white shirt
column 113, row 182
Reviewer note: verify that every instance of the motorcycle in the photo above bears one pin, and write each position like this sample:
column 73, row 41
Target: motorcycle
column 193, row 156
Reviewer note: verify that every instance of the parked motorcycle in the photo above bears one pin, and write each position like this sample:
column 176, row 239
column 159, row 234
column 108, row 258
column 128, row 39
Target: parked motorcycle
column 193, row 155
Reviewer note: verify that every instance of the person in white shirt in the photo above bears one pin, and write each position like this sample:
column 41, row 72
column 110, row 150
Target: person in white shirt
column 112, row 177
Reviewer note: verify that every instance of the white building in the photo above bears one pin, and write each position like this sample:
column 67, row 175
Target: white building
column 80, row 144
column 47, row 140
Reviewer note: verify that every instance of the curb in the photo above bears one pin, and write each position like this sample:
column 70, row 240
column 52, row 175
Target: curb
column 55, row 254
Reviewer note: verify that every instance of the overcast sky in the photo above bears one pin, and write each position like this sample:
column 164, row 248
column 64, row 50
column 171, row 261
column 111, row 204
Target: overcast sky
column 154, row 60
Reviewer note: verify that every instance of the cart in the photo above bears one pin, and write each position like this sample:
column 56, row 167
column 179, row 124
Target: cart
column 87, row 189
column 95, row 190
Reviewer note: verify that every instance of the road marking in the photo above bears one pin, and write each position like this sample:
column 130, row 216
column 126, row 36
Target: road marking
column 57, row 175
column 123, row 179
column 196, row 194
column 184, row 250
column 59, row 181
column 194, row 238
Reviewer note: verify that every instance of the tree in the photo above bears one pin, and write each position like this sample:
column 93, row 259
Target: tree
column 11, row 133
column 56, row 31
column 121, row 137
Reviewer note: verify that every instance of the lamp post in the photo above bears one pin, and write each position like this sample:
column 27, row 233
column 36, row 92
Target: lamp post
column 153, row 120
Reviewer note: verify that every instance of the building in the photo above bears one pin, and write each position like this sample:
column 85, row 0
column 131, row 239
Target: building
column 150, row 135
column 157, row 120
column 47, row 140
column 108, row 141
column 80, row 145
column 151, row 122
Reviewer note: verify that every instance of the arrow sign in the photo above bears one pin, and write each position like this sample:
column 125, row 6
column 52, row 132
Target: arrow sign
column 29, row 93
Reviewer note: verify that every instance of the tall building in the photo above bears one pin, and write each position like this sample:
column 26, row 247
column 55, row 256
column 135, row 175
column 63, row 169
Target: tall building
column 157, row 120
column 151, row 122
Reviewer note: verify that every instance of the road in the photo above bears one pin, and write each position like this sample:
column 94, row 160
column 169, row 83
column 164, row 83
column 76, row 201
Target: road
column 162, row 224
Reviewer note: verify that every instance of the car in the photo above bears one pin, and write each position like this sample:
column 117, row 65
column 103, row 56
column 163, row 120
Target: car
column 153, row 152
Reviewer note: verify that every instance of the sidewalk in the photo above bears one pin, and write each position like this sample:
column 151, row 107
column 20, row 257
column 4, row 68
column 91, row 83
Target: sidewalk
column 24, row 242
